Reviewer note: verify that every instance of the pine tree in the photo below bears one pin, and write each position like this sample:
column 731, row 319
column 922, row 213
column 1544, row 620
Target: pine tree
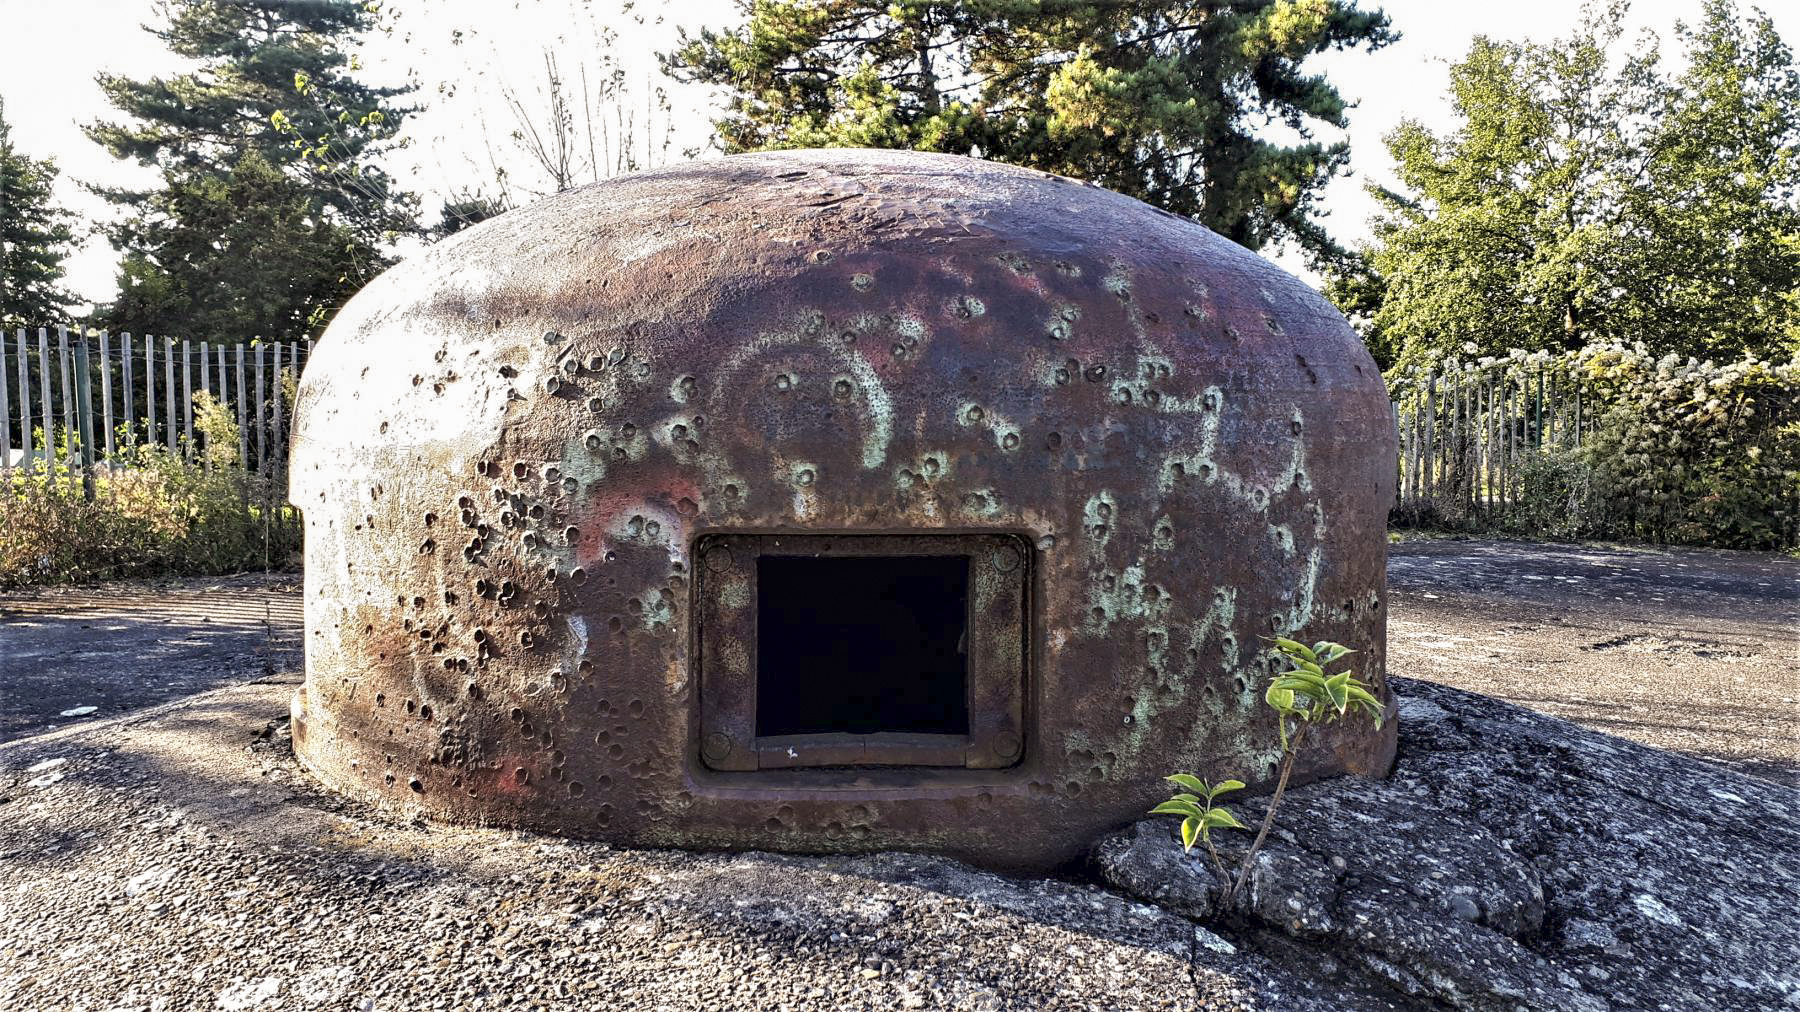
column 1162, row 101
column 273, row 92
column 34, row 238
column 242, row 253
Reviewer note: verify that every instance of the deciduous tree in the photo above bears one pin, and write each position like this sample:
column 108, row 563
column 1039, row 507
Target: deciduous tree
column 1585, row 195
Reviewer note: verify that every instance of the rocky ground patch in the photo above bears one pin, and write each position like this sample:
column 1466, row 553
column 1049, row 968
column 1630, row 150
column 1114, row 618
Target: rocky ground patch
column 179, row 859
column 1513, row 860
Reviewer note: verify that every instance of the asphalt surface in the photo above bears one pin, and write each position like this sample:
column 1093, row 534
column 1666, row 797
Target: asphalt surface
column 1686, row 649
column 118, row 647
column 1693, row 650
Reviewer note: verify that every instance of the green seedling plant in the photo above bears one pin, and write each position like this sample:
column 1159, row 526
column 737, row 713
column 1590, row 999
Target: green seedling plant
column 1304, row 696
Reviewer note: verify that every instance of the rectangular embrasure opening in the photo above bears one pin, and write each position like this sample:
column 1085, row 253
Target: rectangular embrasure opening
column 862, row 645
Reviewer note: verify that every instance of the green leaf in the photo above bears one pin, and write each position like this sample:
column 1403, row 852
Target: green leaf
column 1220, row 818
column 1187, row 780
column 1314, row 687
column 1329, row 651
column 1226, row 785
column 1280, row 698
column 1190, row 829
column 1312, row 672
column 1294, row 648
column 1172, row 807
column 1338, row 689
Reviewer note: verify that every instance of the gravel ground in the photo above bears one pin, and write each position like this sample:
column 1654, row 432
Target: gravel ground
column 179, row 859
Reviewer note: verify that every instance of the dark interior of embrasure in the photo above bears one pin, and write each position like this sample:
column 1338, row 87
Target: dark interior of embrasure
column 862, row 645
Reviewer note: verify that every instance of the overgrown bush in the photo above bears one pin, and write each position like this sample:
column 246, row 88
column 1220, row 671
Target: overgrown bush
column 1560, row 499
column 153, row 513
column 1695, row 453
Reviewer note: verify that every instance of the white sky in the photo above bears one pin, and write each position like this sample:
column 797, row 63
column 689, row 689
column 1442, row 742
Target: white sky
column 54, row 49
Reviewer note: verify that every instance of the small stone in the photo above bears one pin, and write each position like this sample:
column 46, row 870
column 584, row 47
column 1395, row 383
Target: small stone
column 1463, row 908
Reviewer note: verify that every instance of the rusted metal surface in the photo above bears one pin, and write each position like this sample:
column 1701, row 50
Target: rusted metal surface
column 509, row 447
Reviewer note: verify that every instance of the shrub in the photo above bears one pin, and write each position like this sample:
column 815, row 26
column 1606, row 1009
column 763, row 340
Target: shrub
column 153, row 513
column 1692, row 452
column 1670, row 450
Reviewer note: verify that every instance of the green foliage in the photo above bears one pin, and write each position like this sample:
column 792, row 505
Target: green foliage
column 271, row 210
column 34, row 238
column 1162, row 101
column 1306, row 695
column 243, row 252
column 1560, row 499
column 153, row 514
column 1587, row 195
column 1200, row 815
column 238, row 253
column 1695, row 453
column 1671, row 450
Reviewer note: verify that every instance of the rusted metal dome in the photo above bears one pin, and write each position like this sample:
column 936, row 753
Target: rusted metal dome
column 827, row 500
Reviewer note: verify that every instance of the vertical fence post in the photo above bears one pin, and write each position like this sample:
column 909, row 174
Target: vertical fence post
column 275, row 394
column 84, row 393
column 45, row 371
column 1491, row 425
column 5, row 420
column 69, row 448
column 187, row 399
column 150, row 390
column 106, row 412
column 169, row 391
column 1400, row 450
column 243, row 436
column 261, row 450
column 25, row 441
column 206, row 386
column 262, row 453
column 1511, row 445
column 1430, row 458
column 125, row 378
column 224, row 383
column 1537, row 428
column 1408, row 470
column 1459, row 446
column 1482, row 407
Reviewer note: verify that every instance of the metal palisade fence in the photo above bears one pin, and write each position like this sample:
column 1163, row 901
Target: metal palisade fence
column 79, row 404
column 1469, row 430
column 1606, row 440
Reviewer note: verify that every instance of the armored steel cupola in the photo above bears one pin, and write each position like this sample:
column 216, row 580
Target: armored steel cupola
column 828, row 500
